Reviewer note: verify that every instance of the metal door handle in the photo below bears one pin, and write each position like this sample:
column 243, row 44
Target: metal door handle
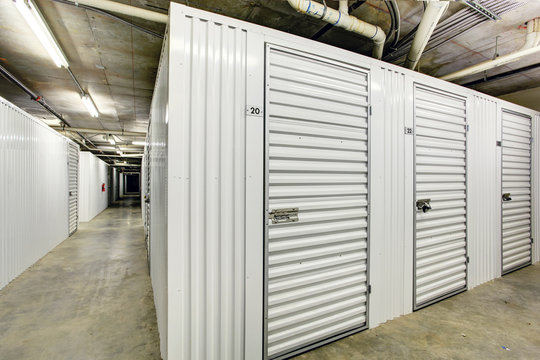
column 423, row 204
column 506, row 197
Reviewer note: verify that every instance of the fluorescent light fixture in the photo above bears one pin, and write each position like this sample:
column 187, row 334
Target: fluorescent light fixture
column 90, row 106
column 107, row 148
column 140, row 143
column 37, row 23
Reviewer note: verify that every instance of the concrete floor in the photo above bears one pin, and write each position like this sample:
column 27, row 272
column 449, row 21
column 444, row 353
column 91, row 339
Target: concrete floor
column 473, row 325
column 90, row 298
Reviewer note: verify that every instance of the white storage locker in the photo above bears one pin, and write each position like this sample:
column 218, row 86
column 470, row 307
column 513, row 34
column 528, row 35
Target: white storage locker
column 317, row 115
column 260, row 163
column 73, row 183
column 516, row 190
column 440, row 135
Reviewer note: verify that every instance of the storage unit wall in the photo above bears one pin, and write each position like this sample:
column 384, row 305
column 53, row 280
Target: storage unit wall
column 93, row 185
column 36, row 211
column 284, row 175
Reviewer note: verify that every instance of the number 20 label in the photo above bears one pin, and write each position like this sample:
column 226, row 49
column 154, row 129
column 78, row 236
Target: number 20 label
column 254, row 110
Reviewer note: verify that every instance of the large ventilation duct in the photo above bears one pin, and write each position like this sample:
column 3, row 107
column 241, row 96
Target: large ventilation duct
column 342, row 20
column 529, row 47
column 432, row 15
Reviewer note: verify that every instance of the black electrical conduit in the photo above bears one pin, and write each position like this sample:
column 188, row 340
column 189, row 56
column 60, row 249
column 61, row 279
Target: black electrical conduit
column 502, row 75
column 11, row 78
column 112, row 16
column 32, row 95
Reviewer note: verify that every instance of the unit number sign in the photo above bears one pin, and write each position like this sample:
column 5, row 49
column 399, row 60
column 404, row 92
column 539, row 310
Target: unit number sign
column 254, row 110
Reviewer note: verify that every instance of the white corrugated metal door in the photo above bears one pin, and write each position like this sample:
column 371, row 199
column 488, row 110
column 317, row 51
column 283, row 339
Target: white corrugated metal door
column 516, row 188
column 317, row 170
column 441, row 195
column 73, row 186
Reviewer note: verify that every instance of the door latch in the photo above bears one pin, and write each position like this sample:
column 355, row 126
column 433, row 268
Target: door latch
column 506, row 197
column 423, row 204
column 279, row 216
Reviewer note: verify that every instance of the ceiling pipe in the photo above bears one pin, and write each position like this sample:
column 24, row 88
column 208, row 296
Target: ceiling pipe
column 530, row 47
column 433, row 13
column 124, row 9
column 342, row 20
column 101, row 131
column 112, row 16
column 344, row 6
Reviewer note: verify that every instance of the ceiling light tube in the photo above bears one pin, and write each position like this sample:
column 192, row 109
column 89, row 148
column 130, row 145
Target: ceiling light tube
column 90, row 105
column 37, row 23
column 139, row 143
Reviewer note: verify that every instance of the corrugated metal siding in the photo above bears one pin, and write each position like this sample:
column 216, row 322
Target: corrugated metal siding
column 93, row 172
column 157, row 216
column 536, row 190
column 390, row 284
column 516, row 181
column 206, row 190
column 73, row 187
column 33, row 191
column 317, row 118
column 440, row 170
column 483, row 205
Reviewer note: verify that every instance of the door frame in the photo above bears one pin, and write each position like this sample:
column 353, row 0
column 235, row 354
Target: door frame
column 531, row 207
column 326, row 57
column 467, row 113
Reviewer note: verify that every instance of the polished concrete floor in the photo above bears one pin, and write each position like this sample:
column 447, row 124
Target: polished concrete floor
column 497, row 320
column 90, row 298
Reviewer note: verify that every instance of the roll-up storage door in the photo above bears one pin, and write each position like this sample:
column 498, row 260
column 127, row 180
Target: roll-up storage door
column 440, row 195
column 516, row 188
column 73, row 186
column 317, row 201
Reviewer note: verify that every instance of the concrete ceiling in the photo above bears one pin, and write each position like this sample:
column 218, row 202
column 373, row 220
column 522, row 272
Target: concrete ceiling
column 117, row 63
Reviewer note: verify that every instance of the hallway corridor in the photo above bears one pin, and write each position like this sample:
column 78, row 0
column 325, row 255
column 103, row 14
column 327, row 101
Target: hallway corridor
column 89, row 298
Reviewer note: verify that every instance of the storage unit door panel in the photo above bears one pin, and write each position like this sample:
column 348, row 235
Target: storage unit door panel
column 317, row 162
column 73, row 178
column 441, row 195
column 516, row 188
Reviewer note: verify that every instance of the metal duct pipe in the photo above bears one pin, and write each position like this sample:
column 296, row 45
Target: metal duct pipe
column 342, row 20
column 529, row 47
column 125, row 10
column 432, row 15
column 486, row 65
column 100, row 131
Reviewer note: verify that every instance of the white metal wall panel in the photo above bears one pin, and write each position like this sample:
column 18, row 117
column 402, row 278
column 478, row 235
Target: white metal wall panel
column 73, row 179
column 516, row 181
column 207, row 177
column 157, row 207
column 391, row 217
column 93, row 172
column 440, row 171
column 33, row 191
column 483, row 197
column 317, row 121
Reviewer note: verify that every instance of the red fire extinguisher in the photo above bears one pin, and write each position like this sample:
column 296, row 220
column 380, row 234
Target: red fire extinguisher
column 103, row 187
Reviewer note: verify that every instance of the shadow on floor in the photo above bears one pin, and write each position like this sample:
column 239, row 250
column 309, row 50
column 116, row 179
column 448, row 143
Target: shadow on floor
column 476, row 324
